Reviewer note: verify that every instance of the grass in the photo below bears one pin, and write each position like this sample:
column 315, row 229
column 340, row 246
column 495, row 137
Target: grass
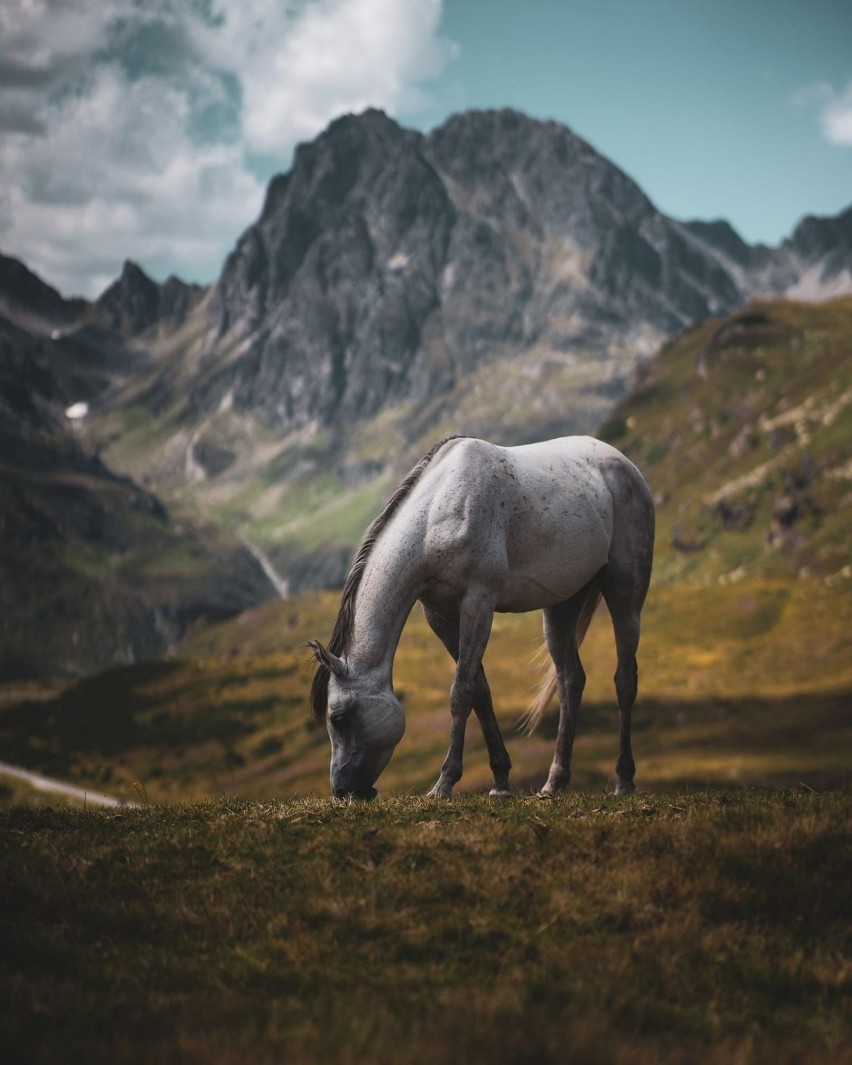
column 695, row 926
column 731, row 425
column 744, row 684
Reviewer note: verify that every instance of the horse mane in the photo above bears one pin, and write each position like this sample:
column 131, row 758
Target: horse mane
column 341, row 636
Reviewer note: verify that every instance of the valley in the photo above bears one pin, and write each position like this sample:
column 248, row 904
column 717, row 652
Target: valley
column 168, row 552
column 742, row 428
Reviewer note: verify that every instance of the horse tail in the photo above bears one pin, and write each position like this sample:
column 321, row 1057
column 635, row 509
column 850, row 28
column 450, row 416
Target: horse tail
column 547, row 689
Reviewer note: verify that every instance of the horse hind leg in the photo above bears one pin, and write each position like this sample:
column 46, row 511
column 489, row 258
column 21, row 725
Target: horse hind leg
column 561, row 637
column 624, row 599
column 624, row 584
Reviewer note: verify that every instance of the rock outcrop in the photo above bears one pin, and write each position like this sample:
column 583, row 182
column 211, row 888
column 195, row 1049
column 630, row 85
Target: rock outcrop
column 387, row 264
column 134, row 302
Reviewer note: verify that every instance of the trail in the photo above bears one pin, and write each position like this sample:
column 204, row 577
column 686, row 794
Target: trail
column 58, row 787
column 279, row 583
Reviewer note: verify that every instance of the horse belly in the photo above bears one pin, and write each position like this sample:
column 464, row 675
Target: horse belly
column 550, row 580
column 554, row 553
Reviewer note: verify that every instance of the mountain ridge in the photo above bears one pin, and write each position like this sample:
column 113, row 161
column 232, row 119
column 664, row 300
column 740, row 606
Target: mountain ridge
column 495, row 277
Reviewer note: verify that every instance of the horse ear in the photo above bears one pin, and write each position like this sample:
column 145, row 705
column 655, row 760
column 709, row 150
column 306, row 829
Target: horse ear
column 325, row 658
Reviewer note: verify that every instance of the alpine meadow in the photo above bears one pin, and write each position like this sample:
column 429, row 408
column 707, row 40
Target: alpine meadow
column 185, row 474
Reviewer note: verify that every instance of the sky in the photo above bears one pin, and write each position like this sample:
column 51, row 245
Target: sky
column 148, row 129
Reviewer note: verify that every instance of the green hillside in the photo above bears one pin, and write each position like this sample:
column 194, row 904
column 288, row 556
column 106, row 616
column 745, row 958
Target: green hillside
column 743, row 429
column 744, row 433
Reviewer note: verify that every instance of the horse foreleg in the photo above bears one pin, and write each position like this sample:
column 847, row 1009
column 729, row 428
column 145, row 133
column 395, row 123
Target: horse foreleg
column 560, row 633
column 447, row 631
column 498, row 756
column 474, row 628
column 451, row 770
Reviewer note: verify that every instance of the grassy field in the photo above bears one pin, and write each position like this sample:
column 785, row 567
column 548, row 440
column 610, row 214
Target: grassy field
column 677, row 928
column 741, row 685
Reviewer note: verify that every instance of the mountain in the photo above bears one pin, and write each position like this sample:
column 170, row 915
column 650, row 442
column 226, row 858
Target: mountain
column 496, row 277
column 92, row 348
column 94, row 569
column 134, row 302
column 819, row 256
column 32, row 304
column 387, row 266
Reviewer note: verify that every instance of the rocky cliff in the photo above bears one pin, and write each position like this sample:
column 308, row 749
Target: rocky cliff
column 134, row 302
column 497, row 276
column 386, row 265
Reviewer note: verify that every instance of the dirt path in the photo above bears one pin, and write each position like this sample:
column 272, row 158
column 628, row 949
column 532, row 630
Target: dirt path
column 58, row 787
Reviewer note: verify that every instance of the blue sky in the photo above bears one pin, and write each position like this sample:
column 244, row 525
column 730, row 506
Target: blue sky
column 148, row 128
column 715, row 108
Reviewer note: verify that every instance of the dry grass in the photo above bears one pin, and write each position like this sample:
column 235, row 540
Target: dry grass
column 745, row 684
column 670, row 929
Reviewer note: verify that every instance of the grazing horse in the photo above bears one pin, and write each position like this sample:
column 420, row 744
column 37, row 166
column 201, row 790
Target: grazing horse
column 475, row 528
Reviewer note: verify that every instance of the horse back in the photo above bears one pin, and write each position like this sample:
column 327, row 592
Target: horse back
column 535, row 523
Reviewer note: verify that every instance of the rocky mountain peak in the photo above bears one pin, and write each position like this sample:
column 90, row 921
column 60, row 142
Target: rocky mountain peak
column 387, row 264
column 815, row 237
column 721, row 235
column 557, row 175
column 335, row 281
column 31, row 303
column 134, row 301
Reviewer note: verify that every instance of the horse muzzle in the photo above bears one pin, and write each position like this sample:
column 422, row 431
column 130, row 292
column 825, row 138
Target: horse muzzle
column 354, row 793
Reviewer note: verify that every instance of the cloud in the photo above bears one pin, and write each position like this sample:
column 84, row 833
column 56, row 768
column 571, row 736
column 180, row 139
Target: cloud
column 836, row 117
column 339, row 57
column 834, row 109
column 132, row 129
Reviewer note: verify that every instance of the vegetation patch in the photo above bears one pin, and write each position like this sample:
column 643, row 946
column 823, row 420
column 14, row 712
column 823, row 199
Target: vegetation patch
column 741, row 684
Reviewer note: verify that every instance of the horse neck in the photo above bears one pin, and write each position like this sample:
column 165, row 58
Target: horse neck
column 389, row 589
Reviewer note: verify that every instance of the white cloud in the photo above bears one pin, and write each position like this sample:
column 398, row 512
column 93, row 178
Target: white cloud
column 128, row 129
column 338, row 57
column 834, row 109
column 836, row 117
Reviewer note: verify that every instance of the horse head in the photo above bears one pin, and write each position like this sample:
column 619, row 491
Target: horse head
column 365, row 722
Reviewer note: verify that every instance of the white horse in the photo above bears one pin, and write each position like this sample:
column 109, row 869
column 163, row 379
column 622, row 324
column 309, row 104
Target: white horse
column 472, row 529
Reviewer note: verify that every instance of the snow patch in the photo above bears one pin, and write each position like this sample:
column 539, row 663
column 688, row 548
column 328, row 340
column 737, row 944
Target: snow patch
column 813, row 286
column 398, row 262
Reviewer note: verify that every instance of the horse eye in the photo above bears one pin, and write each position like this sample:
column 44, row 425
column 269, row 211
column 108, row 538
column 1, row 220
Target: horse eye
column 340, row 715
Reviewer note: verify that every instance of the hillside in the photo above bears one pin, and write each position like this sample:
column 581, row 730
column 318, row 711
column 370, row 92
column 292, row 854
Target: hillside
column 94, row 569
column 742, row 428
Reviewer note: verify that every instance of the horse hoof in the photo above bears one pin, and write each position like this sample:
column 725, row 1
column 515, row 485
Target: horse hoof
column 545, row 794
column 440, row 793
column 625, row 788
column 499, row 793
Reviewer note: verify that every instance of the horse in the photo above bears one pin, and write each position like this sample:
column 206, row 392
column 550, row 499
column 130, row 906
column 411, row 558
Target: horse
column 476, row 528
